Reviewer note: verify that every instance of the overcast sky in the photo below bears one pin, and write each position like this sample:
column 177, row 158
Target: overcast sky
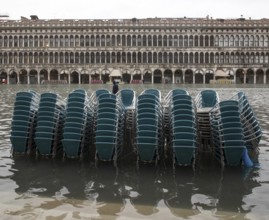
column 106, row 9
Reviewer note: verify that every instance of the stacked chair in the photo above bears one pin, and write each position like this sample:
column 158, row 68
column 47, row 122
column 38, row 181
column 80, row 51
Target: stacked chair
column 149, row 138
column 251, row 127
column 78, row 125
column 109, row 127
column 24, row 122
column 128, row 99
column 50, row 117
column 205, row 101
column 236, row 131
column 227, row 133
column 182, row 128
column 166, row 110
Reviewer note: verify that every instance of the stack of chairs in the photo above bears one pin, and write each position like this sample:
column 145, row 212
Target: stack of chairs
column 128, row 99
column 251, row 127
column 205, row 101
column 183, row 131
column 166, row 110
column 227, row 133
column 24, row 122
column 77, row 126
column 149, row 138
column 94, row 102
column 109, row 128
column 50, row 117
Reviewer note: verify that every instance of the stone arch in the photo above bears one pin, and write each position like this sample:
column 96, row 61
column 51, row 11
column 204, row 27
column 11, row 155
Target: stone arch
column 64, row 75
column 105, row 75
column 259, row 76
column 54, row 74
column 147, row 76
column 157, row 76
column 13, row 77
column 239, row 76
column 43, row 75
column 250, row 76
column 178, row 76
column 168, row 76
column 74, row 77
column 3, row 76
column 84, row 77
column 209, row 75
column 137, row 75
column 188, row 76
column 23, row 78
column 33, row 76
column 199, row 77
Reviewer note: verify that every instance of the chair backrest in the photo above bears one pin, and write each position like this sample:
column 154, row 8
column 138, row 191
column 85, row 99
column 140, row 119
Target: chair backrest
column 209, row 98
column 127, row 97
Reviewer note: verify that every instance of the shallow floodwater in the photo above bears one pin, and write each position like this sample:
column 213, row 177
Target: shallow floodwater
column 54, row 189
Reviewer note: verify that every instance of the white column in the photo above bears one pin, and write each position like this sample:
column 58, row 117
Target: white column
column 38, row 77
column 48, row 74
column 18, row 77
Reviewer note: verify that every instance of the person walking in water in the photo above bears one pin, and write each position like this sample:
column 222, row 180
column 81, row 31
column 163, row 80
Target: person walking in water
column 115, row 88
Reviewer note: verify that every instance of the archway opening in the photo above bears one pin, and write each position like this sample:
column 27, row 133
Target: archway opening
column 250, row 76
column 23, row 77
column 188, row 77
column 199, row 78
column 179, row 76
column 209, row 76
column 43, row 75
column 74, row 78
column 33, row 77
column 13, row 79
column 259, row 76
column 54, row 74
column 239, row 76
column 157, row 76
column 3, row 77
column 168, row 76
column 147, row 77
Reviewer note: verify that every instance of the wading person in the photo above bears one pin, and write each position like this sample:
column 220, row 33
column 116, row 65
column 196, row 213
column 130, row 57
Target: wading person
column 115, row 88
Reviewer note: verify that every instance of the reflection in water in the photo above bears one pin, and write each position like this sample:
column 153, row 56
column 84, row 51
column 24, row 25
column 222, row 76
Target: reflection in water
column 185, row 192
column 55, row 189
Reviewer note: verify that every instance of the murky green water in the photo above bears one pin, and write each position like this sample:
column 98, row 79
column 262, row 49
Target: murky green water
column 46, row 189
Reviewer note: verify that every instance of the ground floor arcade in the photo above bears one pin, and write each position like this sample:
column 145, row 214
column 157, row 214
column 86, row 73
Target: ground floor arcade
column 151, row 76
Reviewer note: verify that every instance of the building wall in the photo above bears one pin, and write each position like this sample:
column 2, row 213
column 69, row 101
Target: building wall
column 157, row 50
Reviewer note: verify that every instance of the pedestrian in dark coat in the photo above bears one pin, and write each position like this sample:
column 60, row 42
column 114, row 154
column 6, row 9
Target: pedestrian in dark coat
column 115, row 88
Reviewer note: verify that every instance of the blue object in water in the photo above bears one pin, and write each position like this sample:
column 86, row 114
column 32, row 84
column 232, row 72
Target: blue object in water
column 246, row 159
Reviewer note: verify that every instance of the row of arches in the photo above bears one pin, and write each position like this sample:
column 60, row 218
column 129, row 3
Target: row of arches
column 135, row 40
column 189, row 76
column 134, row 57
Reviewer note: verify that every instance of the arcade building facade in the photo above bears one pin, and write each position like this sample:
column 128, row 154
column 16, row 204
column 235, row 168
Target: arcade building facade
column 151, row 50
